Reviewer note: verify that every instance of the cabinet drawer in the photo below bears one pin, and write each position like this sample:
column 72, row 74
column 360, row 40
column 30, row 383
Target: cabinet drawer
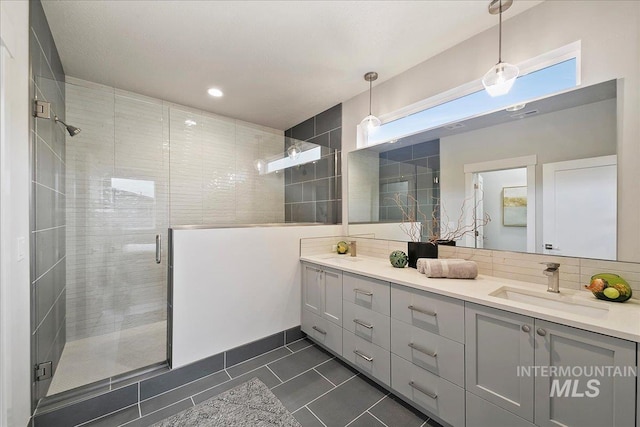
column 367, row 324
column 433, row 394
column 368, row 293
column 322, row 331
column 442, row 356
column 367, row 357
column 434, row 313
column 481, row 413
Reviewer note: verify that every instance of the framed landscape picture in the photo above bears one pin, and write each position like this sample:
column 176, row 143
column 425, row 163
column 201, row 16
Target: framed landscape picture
column 514, row 206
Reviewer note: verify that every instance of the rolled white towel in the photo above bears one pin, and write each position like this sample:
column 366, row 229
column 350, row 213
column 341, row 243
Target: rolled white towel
column 449, row 268
column 423, row 263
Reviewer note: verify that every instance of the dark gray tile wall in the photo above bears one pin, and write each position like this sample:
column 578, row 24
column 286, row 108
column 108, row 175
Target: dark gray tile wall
column 48, row 223
column 313, row 192
column 413, row 171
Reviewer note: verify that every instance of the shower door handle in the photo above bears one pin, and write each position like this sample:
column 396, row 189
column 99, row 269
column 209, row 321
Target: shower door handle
column 158, row 248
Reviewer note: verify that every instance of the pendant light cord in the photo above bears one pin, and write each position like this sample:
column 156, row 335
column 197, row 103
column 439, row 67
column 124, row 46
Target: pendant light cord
column 370, row 86
column 500, row 36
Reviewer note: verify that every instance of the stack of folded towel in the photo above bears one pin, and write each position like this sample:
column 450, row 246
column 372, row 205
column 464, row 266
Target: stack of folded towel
column 450, row 268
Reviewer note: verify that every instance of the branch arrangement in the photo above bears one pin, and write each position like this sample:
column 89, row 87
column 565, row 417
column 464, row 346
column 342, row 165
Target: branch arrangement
column 416, row 224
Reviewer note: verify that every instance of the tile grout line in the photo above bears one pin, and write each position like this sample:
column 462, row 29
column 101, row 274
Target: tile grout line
column 301, row 373
column 274, row 374
column 84, row 423
column 153, row 412
column 323, row 394
column 213, row 373
column 330, row 382
column 273, row 361
column 314, row 414
column 382, row 422
column 354, row 420
column 254, row 357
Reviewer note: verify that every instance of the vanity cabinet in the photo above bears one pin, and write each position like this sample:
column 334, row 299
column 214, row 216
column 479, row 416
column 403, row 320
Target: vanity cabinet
column 322, row 292
column 613, row 397
column 427, row 360
column 498, row 343
column 322, row 306
column 367, row 325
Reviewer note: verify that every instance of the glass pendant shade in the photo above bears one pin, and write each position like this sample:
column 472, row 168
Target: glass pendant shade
column 260, row 165
column 293, row 151
column 500, row 78
column 370, row 122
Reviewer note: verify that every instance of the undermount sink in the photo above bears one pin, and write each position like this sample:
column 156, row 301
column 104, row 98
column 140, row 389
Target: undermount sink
column 566, row 303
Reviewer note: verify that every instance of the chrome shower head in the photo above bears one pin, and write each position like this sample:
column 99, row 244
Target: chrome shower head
column 73, row 131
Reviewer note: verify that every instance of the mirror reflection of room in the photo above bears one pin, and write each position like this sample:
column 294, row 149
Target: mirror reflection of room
column 557, row 153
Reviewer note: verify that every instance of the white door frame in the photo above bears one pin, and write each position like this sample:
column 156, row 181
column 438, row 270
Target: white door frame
column 528, row 162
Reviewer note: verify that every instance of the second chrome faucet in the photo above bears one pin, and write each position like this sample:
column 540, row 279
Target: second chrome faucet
column 553, row 273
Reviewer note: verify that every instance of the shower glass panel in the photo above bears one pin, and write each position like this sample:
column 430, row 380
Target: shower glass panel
column 117, row 180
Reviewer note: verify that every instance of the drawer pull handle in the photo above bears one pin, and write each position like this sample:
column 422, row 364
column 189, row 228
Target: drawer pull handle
column 419, row 310
column 423, row 350
column 364, row 356
column 320, row 330
column 423, row 391
column 361, row 323
column 360, row 291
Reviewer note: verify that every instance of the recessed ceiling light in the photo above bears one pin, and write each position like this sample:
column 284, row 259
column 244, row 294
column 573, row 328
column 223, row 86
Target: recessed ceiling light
column 515, row 107
column 215, row 92
column 190, row 122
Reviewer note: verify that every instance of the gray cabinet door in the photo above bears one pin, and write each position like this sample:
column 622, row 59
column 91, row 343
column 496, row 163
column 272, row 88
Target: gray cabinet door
column 311, row 289
column 609, row 400
column 497, row 344
column 332, row 295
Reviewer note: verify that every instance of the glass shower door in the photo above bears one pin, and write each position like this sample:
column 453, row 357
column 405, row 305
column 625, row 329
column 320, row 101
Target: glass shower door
column 117, row 176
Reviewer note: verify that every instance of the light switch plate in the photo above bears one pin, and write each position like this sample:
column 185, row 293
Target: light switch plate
column 22, row 248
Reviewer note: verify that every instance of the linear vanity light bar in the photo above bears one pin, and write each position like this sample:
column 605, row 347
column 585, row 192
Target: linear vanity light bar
column 308, row 153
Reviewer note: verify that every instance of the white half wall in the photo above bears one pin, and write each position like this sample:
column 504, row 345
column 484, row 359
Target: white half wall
column 232, row 286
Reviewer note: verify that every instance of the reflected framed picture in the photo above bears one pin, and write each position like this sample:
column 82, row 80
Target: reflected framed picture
column 514, row 206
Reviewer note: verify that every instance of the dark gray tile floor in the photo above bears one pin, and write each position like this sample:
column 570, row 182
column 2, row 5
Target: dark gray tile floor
column 317, row 388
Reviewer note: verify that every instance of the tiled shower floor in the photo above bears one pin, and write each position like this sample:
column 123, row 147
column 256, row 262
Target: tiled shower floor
column 96, row 358
column 317, row 388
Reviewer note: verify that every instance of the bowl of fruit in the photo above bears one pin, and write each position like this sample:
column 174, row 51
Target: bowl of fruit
column 609, row 287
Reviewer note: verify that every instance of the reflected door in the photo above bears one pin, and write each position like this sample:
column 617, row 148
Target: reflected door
column 579, row 207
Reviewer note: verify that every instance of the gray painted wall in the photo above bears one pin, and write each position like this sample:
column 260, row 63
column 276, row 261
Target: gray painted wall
column 575, row 133
column 48, row 226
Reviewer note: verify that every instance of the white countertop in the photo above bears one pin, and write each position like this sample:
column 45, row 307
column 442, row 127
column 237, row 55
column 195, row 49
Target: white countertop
column 622, row 319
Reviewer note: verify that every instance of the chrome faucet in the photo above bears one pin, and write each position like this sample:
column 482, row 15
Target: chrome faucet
column 553, row 274
column 352, row 248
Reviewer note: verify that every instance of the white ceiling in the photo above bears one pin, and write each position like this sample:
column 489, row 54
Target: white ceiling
column 278, row 62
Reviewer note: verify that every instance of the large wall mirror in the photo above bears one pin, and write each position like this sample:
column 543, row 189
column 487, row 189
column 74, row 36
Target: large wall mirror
column 544, row 172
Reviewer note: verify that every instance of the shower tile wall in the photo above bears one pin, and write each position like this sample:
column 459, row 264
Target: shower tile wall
column 413, row 171
column 213, row 178
column 118, row 184
column 139, row 166
column 313, row 191
column 48, row 227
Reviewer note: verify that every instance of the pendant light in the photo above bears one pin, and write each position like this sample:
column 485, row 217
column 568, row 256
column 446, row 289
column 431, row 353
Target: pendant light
column 370, row 122
column 501, row 77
